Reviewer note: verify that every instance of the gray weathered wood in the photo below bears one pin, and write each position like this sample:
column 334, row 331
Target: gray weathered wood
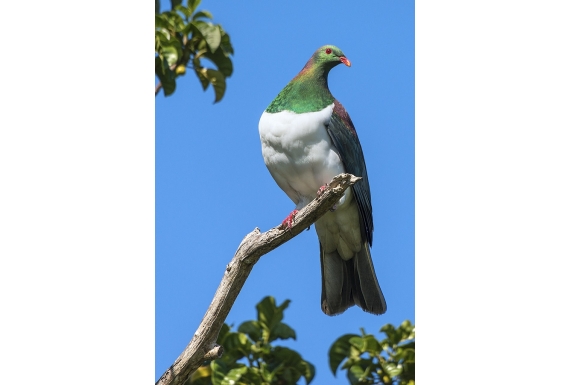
column 255, row 244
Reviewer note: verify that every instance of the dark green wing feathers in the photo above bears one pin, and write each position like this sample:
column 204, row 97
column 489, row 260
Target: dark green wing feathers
column 344, row 137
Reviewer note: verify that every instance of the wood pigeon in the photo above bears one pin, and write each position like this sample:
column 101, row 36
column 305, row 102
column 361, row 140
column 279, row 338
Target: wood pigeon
column 307, row 138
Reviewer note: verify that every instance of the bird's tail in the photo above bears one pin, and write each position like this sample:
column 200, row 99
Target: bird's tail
column 346, row 283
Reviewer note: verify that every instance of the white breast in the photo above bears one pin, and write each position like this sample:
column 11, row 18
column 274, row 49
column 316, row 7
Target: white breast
column 298, row 152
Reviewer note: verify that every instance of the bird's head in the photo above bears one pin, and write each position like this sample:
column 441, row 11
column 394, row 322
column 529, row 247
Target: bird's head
column 329, row 56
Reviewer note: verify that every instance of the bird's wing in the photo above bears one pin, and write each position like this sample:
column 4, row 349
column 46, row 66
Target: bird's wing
column 343, row 135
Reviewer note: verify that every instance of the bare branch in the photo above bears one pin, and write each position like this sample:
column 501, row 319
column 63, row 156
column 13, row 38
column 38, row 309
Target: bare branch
column 255, row 244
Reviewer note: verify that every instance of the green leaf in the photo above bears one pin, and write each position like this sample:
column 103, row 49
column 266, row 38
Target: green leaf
column 409, row 373
column 221, row 61
column 170, row 53
column 159, row 66
column 367, row 373
column 174, row 20
column 405, row 352
column 268, row 314
column 202, row 14
column 355, row 373
column 194, row 29
column 391, row 369
column 339, row 351
column 203, row 79
column 358, row 343
column 224, row 331
column 160, row 22
column 352, row 360
column 183, row 10
column 408, row 330
column 392, row 334
column 371, row 345
column 253, row 377
column 307, row 371
column 214, row 38
column 234, row 375
column 286, row 356
column 192, row 5
column 211, row 34
column 265, row 372
column 226, row 44
column 219, row 370
column 236, row 346
column 282, row 331
column 165, row 75
column 252, row 329
column 174, row 3
column 290, row 366
column 156, row 6
column 202, row 376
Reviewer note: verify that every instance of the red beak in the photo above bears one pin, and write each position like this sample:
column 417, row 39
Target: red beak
column 345, row 61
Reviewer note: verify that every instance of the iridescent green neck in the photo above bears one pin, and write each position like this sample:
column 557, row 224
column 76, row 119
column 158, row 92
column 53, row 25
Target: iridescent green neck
column 307, row 92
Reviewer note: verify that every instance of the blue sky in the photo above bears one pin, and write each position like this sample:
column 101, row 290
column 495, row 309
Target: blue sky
column 212, row 186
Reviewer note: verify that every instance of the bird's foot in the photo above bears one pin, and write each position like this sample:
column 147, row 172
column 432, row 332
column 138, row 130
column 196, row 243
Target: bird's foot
column 288, row 221
column 322, row 189
column 320, row 192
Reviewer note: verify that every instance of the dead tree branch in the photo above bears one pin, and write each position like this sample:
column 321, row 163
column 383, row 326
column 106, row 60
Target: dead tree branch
column 203, row 345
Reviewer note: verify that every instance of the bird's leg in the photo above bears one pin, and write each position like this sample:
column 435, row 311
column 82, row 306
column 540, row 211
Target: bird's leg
column 288, row 221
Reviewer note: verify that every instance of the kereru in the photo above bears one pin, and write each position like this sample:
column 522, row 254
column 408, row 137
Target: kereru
column 307, row 138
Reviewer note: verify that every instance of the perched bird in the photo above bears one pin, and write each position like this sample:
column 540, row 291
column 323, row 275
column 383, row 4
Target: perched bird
column 307, row 138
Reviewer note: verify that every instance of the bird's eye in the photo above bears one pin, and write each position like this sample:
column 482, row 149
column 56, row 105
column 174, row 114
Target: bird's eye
column 328, row 51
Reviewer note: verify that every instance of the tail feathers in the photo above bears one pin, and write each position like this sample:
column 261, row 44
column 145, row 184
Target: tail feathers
column 336, row 274
column 346, row 283
column 366, row 290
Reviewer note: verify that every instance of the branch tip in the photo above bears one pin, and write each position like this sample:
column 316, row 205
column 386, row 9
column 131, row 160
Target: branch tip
column 215, row 352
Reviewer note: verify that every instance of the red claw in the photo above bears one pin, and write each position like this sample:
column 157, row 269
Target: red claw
column 321, row 190
column 288, row 221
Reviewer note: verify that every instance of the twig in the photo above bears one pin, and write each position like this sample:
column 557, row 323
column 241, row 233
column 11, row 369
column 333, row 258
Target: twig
column 203, row 345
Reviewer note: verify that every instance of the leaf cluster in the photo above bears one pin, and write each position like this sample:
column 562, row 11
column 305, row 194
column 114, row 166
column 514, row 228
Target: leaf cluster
column 249, row 356
column 184, row 38
column 368, row 360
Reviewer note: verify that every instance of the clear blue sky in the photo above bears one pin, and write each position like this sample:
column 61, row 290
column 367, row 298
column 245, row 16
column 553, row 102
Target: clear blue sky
column 212, row 186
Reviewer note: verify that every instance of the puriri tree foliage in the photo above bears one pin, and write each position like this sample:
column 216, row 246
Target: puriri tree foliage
column 186, row 38
column 368, row 360
column 252, row 358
